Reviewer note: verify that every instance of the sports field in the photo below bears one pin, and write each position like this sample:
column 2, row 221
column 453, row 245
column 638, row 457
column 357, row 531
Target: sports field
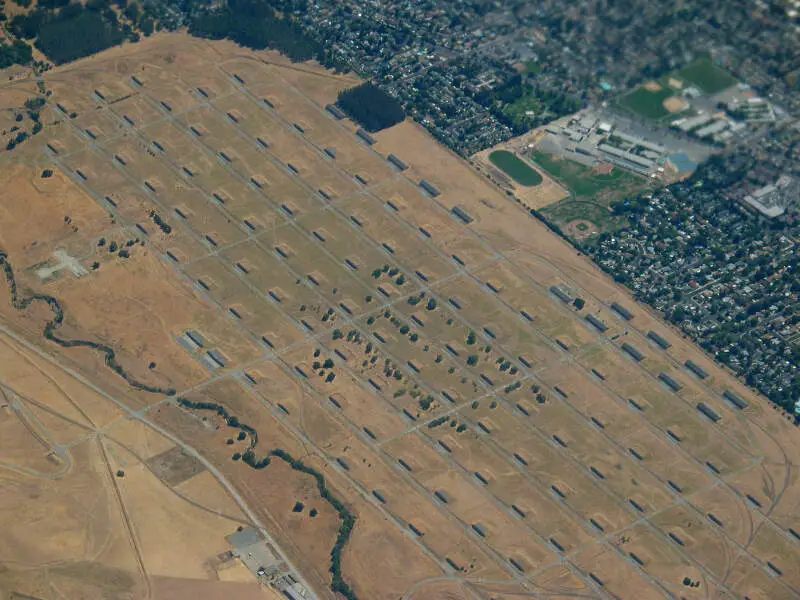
column 515, row 168
column 585, row 183
column 707, row 76
column 657, row 100
column 647, row 103
column 580, row 220
column 587, row 211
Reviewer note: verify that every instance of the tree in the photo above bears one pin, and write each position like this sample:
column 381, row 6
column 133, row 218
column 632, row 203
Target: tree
column 17, row 53
column 472, row 360
column 75, row 33
column 371, row 107
column 147, row 26
column 132, row 12
column 255, row 24
column 579, row 303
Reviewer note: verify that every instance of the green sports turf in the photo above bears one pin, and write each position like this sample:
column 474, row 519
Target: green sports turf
column 515, row 168
column 647, row 104
column 707, row 76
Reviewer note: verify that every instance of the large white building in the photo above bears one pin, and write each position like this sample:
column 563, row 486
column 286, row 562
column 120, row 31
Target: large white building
column 771, row 200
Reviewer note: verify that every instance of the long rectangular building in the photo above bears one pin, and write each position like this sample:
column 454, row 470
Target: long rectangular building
column 660, row 341
column 428, row 187
column 670, row 382
column 634, row 158
column 335, row 111
column 621, row 311
column 632, row 352
column 560, row 293
column 365, row 136
column 735, row 399
column 696, row 369
column 708, row 411
column 397, row 162
column 602, row 327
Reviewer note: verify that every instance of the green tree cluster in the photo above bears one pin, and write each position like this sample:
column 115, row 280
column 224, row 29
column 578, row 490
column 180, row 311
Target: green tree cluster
column 371, row 107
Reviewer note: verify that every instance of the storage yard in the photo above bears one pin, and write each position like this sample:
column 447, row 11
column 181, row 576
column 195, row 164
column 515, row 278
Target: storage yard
column 388, row 320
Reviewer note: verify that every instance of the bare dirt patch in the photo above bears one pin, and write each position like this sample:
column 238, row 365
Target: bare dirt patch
column 174, row 466
column 675, row 104
column 675, row 84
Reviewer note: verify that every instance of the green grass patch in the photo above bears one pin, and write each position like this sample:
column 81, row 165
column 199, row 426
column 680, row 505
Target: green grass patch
column 647, row 104
column 519, row 109
column 584, row 183
column 568, row 210
column 515, row 168
column 707, row 76
column 532, row 67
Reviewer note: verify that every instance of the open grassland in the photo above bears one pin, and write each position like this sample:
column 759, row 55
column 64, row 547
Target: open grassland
column 81, row 510
column 395, row 392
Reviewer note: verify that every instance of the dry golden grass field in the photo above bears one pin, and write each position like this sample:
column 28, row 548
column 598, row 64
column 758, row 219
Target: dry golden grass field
column 488, row 439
